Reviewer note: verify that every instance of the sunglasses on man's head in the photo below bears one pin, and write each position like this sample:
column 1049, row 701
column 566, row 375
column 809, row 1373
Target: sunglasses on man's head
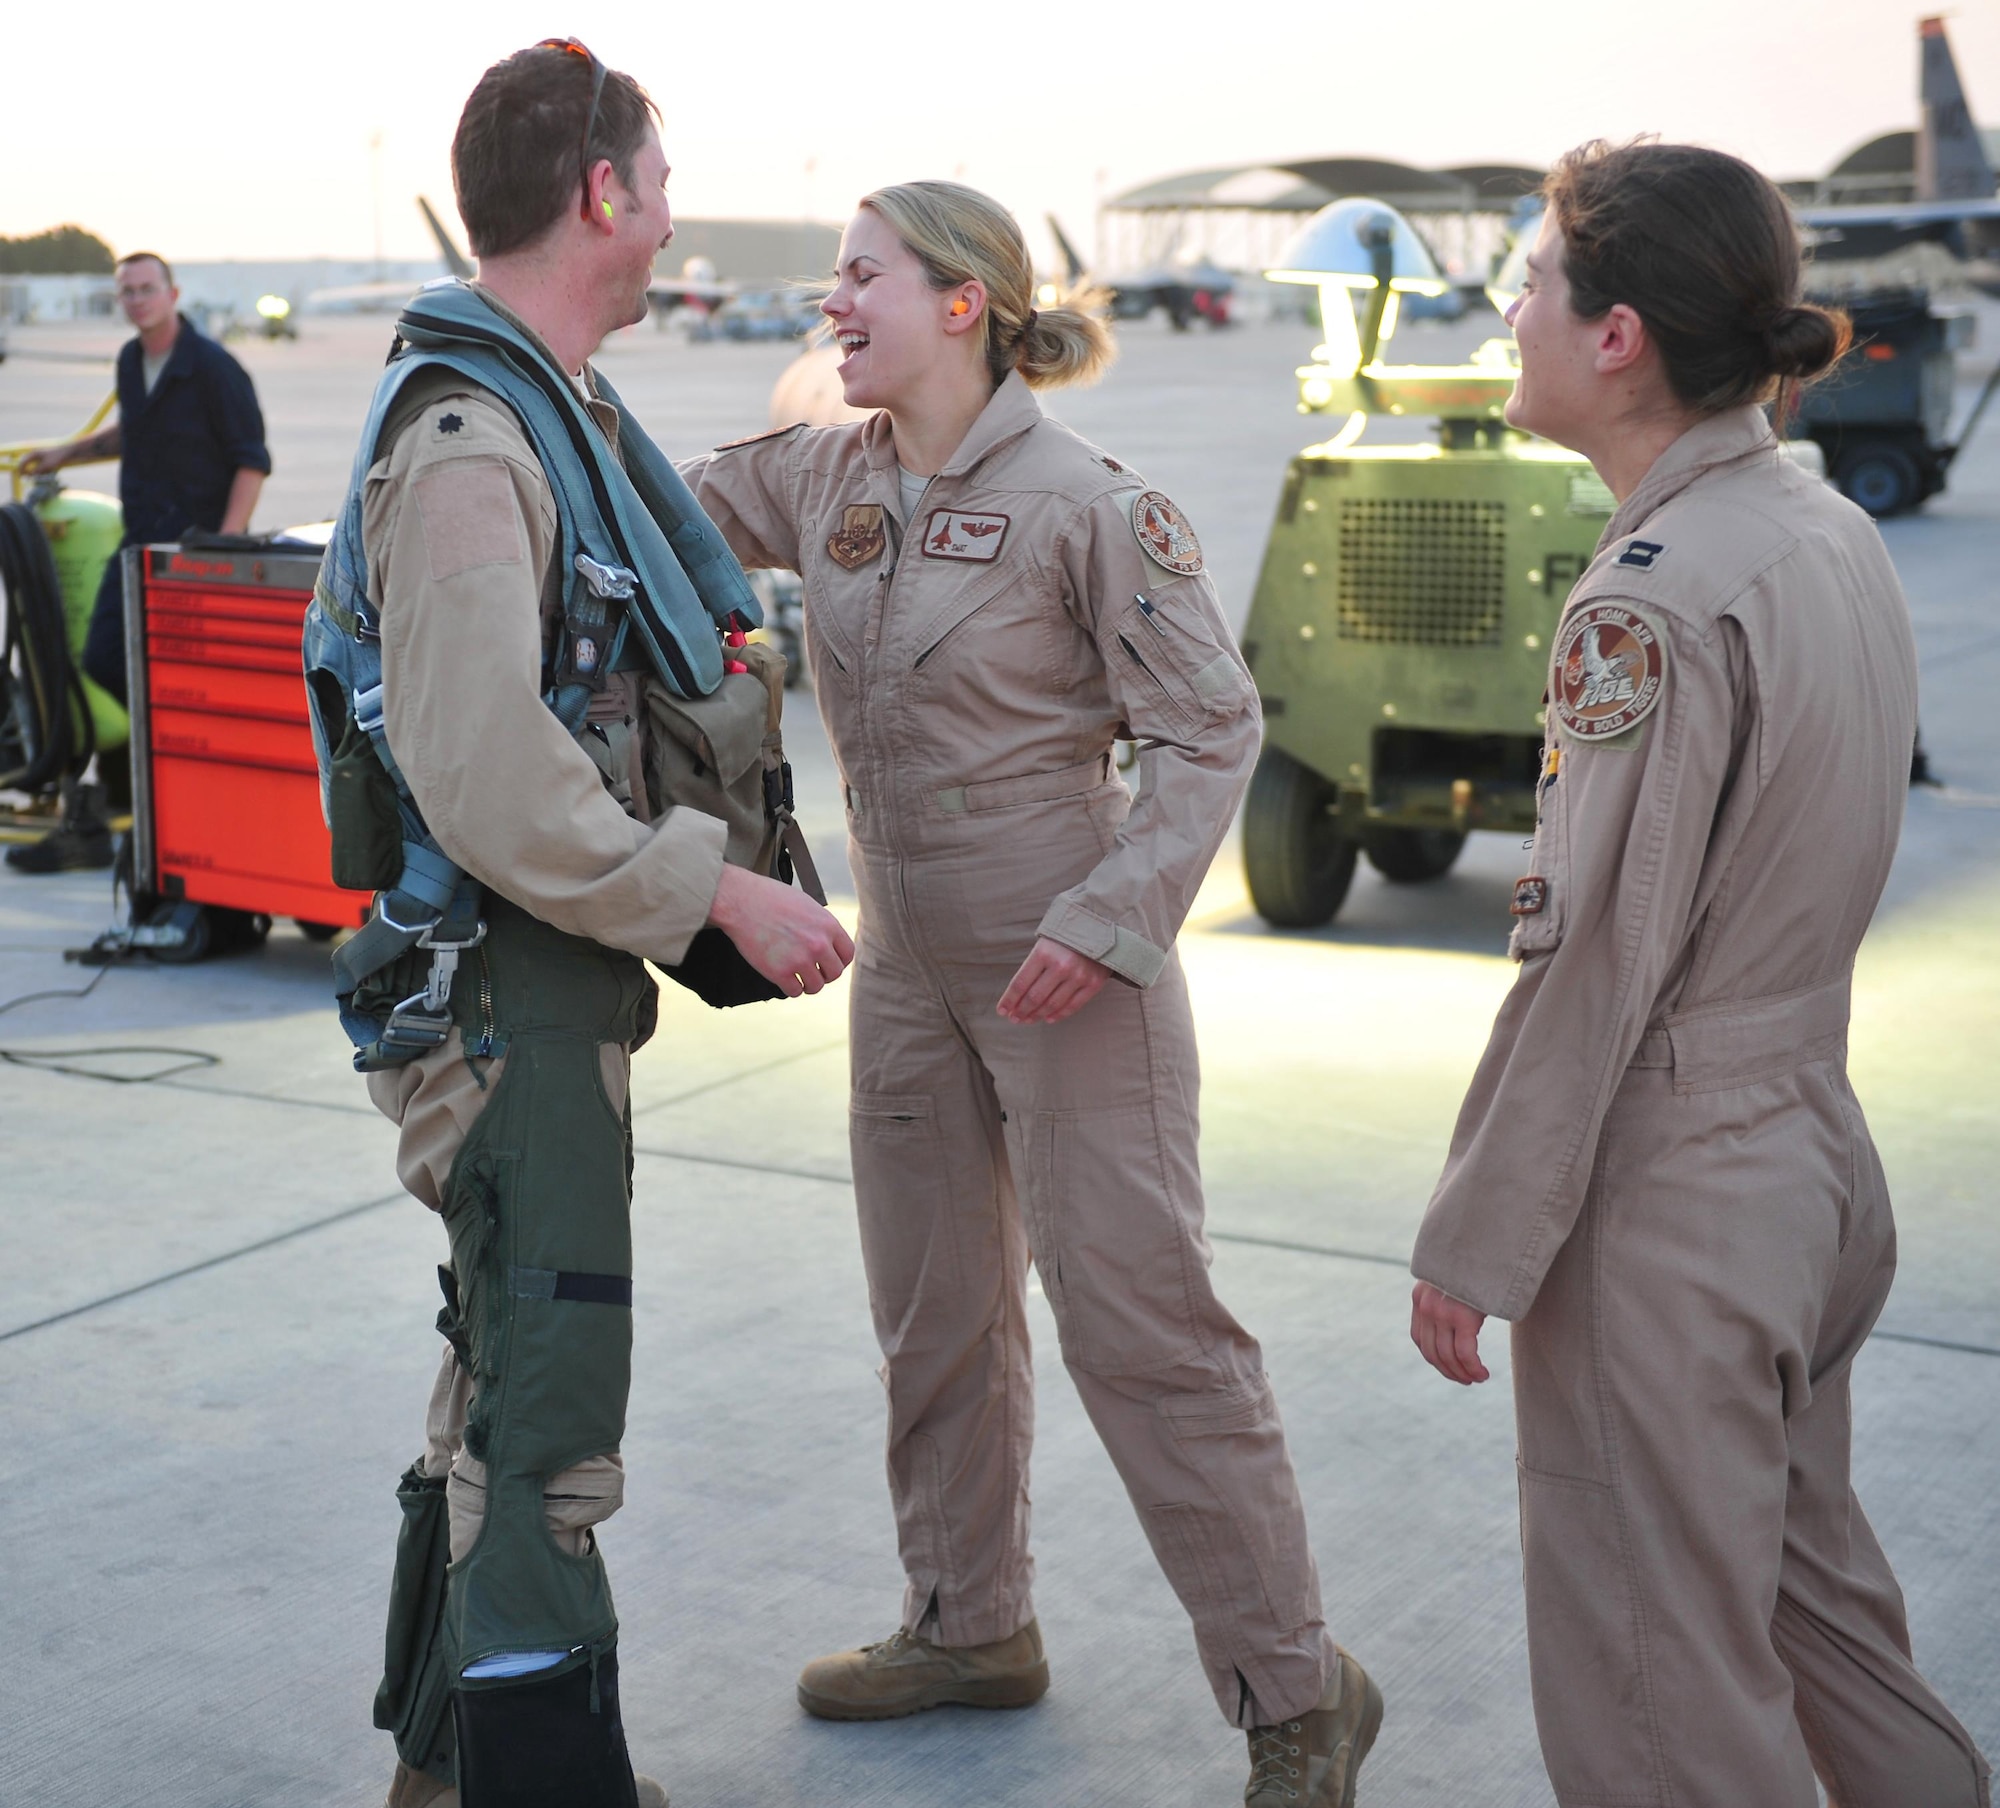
column 576, row 47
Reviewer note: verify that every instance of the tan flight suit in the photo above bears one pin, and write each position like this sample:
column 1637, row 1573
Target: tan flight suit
column 460, row 528
column 1663, row 1177
column 973, row 666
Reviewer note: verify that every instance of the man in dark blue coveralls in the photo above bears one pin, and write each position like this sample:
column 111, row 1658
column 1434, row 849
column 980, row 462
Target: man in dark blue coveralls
column 190, row 440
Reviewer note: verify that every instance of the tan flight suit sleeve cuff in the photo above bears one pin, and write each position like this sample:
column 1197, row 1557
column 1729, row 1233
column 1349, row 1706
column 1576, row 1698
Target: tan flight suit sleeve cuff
column 1464, row 1288
column 683, row 853
column 1127, row 954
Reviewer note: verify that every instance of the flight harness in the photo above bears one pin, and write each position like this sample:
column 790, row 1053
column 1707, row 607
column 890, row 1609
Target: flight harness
column 641, row 557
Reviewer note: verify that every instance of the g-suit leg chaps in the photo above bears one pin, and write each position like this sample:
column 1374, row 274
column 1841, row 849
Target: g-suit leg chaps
column 538, row 1313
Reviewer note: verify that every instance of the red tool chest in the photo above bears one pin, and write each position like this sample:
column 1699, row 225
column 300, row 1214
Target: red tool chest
column 225, row 792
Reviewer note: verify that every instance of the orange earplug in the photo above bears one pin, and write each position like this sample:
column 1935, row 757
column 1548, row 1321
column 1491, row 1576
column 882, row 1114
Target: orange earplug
column 961, row 306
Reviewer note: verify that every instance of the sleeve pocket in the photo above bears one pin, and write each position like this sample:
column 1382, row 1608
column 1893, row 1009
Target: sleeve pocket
column 1541, row 931
column 1187, row 647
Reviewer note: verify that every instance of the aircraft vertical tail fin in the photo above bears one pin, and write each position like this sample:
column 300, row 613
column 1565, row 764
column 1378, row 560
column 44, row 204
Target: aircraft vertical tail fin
column 1069, row 256
column 1951, row 160
column 455, row 260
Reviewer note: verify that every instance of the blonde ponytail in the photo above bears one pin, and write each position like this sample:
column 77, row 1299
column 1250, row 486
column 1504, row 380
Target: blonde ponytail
column 960, row 235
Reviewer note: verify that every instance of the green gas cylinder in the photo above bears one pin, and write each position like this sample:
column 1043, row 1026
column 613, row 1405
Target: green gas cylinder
column 84, row 529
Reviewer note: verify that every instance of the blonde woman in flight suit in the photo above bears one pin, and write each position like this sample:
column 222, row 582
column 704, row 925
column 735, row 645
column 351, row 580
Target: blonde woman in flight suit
column 991, row 602
column 1661, row 1173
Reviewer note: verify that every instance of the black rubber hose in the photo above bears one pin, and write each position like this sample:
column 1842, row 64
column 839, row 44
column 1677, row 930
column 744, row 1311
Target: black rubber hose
column 38, row 679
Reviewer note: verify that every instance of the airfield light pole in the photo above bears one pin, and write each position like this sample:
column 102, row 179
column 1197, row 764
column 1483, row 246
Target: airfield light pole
column 375, row 188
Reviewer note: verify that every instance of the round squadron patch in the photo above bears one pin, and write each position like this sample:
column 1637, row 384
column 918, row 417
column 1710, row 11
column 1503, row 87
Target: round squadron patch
column 1166, row 536
column 1610, row 662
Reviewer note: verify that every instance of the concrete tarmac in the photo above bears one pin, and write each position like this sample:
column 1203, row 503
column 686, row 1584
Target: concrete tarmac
column 215, row 1305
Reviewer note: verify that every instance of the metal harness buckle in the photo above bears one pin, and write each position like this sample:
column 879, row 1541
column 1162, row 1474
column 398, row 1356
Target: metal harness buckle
column 612, row 583
column 413, row 1025
column 444, row 963
column 423, row 1020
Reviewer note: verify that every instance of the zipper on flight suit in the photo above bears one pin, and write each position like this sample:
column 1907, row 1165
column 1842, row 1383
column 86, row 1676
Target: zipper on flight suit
column 876, row 629
column 484, row 1047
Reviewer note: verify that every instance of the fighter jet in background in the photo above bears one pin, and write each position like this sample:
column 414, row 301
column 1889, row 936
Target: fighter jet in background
column 456, row 263
column 1954, row 204
column 388, row 295
column 697, row 287
column 1185, row 292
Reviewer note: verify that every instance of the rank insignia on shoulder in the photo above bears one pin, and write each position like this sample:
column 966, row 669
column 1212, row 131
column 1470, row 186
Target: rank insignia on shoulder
column 450, row 423
column 955, row 534
column 859, row 536
column 1165, row 535
column 756, row 439
column 1641, row 555
column 1531, row 897
column 1610, row 665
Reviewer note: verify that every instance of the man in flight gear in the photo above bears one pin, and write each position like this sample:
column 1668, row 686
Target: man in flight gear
column 462, row 553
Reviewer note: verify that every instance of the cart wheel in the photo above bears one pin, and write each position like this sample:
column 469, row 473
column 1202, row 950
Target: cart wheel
column 317, row 932
column 1411, row 856
column 197, row 944
column 1297, row 862
column 1880, row 477
column 237, row 931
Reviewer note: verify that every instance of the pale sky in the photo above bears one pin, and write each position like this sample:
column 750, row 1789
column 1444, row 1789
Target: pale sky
column 244, row 130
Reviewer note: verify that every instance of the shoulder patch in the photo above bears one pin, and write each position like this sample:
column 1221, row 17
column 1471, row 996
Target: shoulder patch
column 1165, row 535
column 1641, row 555
column 1610, row 665
column 757, row 439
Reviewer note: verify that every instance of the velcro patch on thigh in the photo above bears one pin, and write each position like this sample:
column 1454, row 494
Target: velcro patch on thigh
column 567, row 1284
column 470, row 516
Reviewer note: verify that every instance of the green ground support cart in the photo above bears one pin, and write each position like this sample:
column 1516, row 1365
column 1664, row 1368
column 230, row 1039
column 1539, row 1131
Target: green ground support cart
column 1399, row 637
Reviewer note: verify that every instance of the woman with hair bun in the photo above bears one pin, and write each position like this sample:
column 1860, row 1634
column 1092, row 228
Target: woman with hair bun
column 1661, row 1174
column 991, row 602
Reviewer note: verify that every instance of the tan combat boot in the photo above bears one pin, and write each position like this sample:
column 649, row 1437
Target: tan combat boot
column 906, row 1674
column 419, row 1789
column 1311, row 1762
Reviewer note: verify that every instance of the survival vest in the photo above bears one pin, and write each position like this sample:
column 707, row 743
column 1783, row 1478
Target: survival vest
column 643, row 562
